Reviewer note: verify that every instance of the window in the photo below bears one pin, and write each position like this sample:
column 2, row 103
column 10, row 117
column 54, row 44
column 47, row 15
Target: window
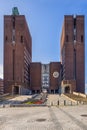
column 74, row 22
column 13, row 22
column 13, row 64
column 74, row 38
column 21, row 39
column 13, row 39
column 81, row 38
column 13, row 36
column 6, row 38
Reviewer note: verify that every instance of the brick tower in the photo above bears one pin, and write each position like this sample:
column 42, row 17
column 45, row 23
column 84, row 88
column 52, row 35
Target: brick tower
column 17, row 53
column 73, row 53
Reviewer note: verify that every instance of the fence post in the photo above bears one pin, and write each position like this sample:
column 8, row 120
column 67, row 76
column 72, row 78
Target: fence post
column 51, row 103
column 64, row 102
column 58, row 103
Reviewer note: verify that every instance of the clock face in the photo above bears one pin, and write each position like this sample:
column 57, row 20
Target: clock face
column 55, row 74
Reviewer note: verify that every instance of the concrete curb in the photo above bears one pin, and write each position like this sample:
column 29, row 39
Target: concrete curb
column 28, row 105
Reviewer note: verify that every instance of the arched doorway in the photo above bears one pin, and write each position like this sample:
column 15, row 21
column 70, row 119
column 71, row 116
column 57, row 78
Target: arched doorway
column 16, row 89
column 67, row 89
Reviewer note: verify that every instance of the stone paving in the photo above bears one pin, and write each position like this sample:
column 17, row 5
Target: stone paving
column 44, row 118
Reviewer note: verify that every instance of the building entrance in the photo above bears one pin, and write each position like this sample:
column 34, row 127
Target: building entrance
column 67, row 89
column 16, row 89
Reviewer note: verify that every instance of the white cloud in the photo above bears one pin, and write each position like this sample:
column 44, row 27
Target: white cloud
column 1, row 71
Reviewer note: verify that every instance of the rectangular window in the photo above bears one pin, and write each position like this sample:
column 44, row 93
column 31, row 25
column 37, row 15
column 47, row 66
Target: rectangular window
column 13, row 36
column 21, row 39
column 74, row 38
column 74, row 29
column 13, row 39
column 6, row 38
column 13, row 64
column 81, row 38
column 74, row 22
column 13, row 22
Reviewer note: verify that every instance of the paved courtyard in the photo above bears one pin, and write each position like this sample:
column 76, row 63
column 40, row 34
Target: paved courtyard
column 44, row 118
column 50, row 117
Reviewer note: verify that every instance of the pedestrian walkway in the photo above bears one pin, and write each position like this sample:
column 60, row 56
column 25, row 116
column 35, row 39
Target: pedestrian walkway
column 44, row 118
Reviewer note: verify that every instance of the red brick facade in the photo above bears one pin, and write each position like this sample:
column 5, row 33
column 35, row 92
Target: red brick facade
column 17, row 54
column 35, row 77
column 21, row 74
column 72, row 51
column 55, row 81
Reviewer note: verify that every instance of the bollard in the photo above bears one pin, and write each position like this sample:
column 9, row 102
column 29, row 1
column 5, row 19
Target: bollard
column 51, row 103
column 64, row 102
column 77, row 102
column 58, row 103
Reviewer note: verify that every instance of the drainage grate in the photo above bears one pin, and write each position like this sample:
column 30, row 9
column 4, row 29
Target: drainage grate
column 41, row 120
column 84, row 115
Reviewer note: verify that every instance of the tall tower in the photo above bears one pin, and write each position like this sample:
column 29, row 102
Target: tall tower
column 73, row 52
column 17, row 53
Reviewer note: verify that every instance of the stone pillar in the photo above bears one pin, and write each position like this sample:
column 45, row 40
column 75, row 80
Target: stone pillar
column 12, row 89
column 20, row 91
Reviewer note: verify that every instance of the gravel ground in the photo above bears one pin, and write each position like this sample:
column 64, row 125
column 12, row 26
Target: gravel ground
column 44, row 118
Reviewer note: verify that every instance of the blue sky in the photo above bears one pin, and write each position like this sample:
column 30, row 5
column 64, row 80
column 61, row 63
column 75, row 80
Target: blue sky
column 45, row 19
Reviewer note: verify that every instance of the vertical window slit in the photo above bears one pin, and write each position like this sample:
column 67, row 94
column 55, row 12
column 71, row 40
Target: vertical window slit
column 6, row 38
column 21, row 39
column 13, row 64
column 81, row 38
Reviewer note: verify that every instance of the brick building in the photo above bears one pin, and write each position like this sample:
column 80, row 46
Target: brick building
column 55, row 77
column 17, row 53
column 21, row 75
column 73, row 53
column 45, row 76
column 35, row 77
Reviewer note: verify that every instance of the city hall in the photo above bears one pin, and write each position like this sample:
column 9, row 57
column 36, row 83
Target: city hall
column 22, row 76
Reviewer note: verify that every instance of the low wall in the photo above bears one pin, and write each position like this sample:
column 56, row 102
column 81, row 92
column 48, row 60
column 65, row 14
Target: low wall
column 4, row 95
column 80, row 94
